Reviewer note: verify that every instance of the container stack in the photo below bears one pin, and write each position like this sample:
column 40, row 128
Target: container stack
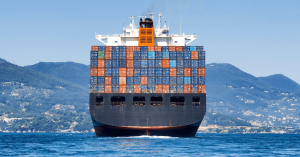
column 147, row 69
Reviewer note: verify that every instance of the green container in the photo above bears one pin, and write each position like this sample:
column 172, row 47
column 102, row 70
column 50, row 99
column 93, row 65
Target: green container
column 101, row 54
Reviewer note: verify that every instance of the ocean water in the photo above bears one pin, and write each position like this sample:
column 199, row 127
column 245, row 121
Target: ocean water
column 79, row 144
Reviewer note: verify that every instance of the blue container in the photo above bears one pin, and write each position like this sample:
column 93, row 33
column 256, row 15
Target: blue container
column 144, row 54
column 115, row 88
column 151, row 63
column 100, row 88
column 144, row 71
column 122, row 63
column 144, row 63
column 136, row 80
column 93, row 80
column 143, row 48
column 194, row 89
column 108, row 63
column 199, row 48
column 94, row 63
column 151, row 72
column 151, row 88
column 115, row 63
column 137, row 72
column 165, row 48
column 186, row 48
column 194, row 63
column 108, row 72
column 100, row 80
column 173, row 55
column 187, row 80
column 122, row 54
column 172, row 63
column 173, row 80
column 194, row 71
column 201, row 63
column 166, row 71
column 179, row 80
column 158, row 63
column 187, row 63
column 195, row 80
column 193, row 48
column 187, row 55
column 137, row 55
column 94, row 54
column 93, row 87
column 137, row 63
column 151, row 55
column 180, row 71
column 116, row 48
column 115, row 80
column 122, row 48
column 201, row 80
column 158, row 80
column 115, row 71
column 166, row 55
column 129, row 80
column 115, row 55
column 180, row 89
column 129, row 89
column 158, row 71
column 166, row 80
column 201, row 55
column 151, row 80
column 144, row 89
column 179, row 54
column 179, row 63
column 158, row 55
column 101, row 48
column 173, row 88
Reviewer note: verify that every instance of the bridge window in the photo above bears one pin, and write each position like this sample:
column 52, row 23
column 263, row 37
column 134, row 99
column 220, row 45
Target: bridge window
column 117, row 101
column 177, row 101
column 139, row 101
column 99, row 101
column 156, row 101
column 196, row 101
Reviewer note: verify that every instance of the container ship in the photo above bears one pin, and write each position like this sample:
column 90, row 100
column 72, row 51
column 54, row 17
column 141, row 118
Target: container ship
column 147, row 82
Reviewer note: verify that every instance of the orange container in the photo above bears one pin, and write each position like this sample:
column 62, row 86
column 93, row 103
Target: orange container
column 158, row 88
column 172, row 48
column 108, row 55
column 93, row 71
column 101, row 63
column 136, row 48
column 165, row 63
column 129, row 55
column 129, row 72
column 186, row 71
column 201, row 89
column 108, row 80
column 194, row 54
column 129, row 48
column 150, row 48
column 136, row 89
column 201, row 71
column 157, row 48
column 129, row 63
column 122, row 80
column 94, row 48
column 107, row 88
column 178, row 48
column 100, row 71
column 173, row 72
column 166, row 88
column 122, row 88
column 187, row 88
column 144, row 80
column 108, row 48
column 122, row 72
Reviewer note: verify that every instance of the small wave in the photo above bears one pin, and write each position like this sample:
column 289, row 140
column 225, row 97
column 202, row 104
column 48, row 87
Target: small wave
column 152, row 137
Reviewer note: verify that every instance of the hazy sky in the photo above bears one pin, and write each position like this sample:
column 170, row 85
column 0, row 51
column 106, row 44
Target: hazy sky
column 259, row 37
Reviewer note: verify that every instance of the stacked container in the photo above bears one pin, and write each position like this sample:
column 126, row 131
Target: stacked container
column 152, row 69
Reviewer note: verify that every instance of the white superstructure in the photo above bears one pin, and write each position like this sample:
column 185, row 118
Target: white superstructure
column 130, row 36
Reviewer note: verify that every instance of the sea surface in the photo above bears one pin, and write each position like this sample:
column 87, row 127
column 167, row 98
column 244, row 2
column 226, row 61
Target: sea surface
column 80, row 144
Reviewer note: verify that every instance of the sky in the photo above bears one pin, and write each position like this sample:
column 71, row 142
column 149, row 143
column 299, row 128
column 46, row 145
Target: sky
column 261, row 38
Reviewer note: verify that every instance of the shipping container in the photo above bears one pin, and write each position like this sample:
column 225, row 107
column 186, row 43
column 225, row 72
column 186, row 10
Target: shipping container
column 144, row 72
column 186, row 48
column 123, row 48
column 108, row 89
column 151, row 72
column 129, row 55
column 115, row 55
column 166, row 71
column 115, row 80
column 93, row 88
column 93, row 80
column 137, row 55
column 101, row 80
column 101, row 48
column 194, row 89
column 129, row 49
column 151, row 88
column 150, row 48
column 165, row 48
column 180, row 55
column 137, row 80
column 129, row 88
column 95, row 48
column 136, row 48
column 115, row 71
column 101, row 63
column 166, row 55
column 201, row 71
column 122, row 88
column 122, row 80
column 158, row 71
column 122, row 55
column 151, row 63
column 129, row 80
column 187, row 63
column 194, row 55
column 187, row 80
column 166, row 88
column 173, row 88
column 180, row 80
column 108, row 55
column 166, row 80
column 122, row 72
column 94, row 63
column 172, row 63
column 129, row 63
column 201, row 89
column 179, row 63
column 107, row 71
column 194, row 71
column 173, row 80
column 151, row 54
column 136, row 88
column 173, row 72
column 144, row 48
column 201, row 80
column 158, row 55
column 144, row 63
column 101, row 55
column 157, row 48
column 172, row 48
column 100, row 89
column 137, row 63
column 94, row 54
column 115, row 88
column 122, row 63
column 180, row 71
column 194, row 63
column 115, row 63
column 108, row 48
column 187, row 71
column 158, row 88
column 173, row 55
column 194, row 80
column 158, row 63
column 187, row 88
column 144, row 54
column 201, row 63
column 93, row 72
column 144, row 89
column 180, row 89
column 193, row 48
column 165, row 63
column 178, row 48
column 199, row 48
column 100, row 71
column 129, row 72
column 158, row 80
column 108, row 80
column 108, row 63
column 137, row 72
column 144, row 80
column 151, row 80
column 116, row 48
column 201, row 55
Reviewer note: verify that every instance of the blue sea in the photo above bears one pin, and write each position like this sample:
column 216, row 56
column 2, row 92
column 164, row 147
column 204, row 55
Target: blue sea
column 80, row 144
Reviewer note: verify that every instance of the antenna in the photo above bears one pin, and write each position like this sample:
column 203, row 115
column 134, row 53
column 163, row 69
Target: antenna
column 151, row 15
column 180, row 22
